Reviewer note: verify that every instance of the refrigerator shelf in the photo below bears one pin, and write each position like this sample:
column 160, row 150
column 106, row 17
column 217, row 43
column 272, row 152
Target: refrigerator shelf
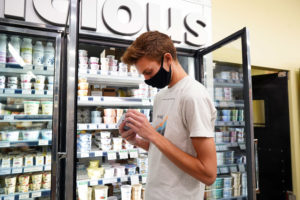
column 225, row 146
column 231, row 123
column 91, row 126
column 136, row 178
column 111, row 78
column 15, row 68
column 229, row 104
column 22, row 143
column 18, row 118
column 228, row 83
column 234, row 198
column 20, row 170
column 228, row 168
column 112, row 155
column 25, row 93
column 27, row 195
column 114, row 101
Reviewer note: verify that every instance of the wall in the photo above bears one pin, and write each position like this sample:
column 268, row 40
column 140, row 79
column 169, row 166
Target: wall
column 274, row 43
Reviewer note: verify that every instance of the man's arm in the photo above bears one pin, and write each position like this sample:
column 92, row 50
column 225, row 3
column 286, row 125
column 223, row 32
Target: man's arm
column 203, row 167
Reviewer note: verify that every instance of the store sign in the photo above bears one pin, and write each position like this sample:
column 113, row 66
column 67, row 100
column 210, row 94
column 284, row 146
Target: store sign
column 184, row 25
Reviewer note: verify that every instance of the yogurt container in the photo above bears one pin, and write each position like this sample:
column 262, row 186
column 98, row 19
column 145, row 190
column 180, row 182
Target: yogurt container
column 2, row 85
column 12, row 80
column 109, row 120
column 25, row 78
column 12, row 86
column 82, row 92
column 10, row 190
column 83, row 66
column 39, row 159
column 12, row 135
column 108, row 112
column 94, row 163
column 82, row 52
column 117, row 140
column 82, row 79
column 23, row 188
column 24, row 179
column 46, row 185
column 49, row 86
column 94, row 66
column 94, row 60
column 10, row 181
column 95, row 172
column 109, row 172
column 47, row 107
column 101, row 192
column 136, row 192
column 40, row 79
column 39, row 86
column 46, row 134
column 83, row 60
column 126, row 192
column 2, row 79
column 105, row 141
column 28, row 160
column 30, row 135
column 36, row 178
column 31, row 107
column 6, row 162
column 105, row 134
column 47, row 177
column 17, row 161
column 48, row 159
column 26, row 86
column 105, row 147
column 50, row 79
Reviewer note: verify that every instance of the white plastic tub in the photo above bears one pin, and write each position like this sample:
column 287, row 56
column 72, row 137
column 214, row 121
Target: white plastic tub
column 30, row 135
column 31, row 107
column 47, row 107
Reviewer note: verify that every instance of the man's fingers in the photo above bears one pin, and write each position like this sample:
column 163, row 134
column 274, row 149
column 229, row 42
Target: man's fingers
column 127, row 133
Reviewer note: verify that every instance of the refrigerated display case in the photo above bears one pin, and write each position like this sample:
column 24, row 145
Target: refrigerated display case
column 225, row 71
column 29, row 118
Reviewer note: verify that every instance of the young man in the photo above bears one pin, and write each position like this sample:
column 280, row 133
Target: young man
column 180, row 143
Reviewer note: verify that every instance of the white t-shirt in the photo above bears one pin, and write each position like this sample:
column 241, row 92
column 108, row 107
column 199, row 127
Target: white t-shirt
column 179, row 113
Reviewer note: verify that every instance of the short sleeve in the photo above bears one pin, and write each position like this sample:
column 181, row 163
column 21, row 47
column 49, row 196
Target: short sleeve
column 199, row 115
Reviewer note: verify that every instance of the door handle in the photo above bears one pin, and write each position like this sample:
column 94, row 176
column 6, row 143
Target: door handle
column 256, row 165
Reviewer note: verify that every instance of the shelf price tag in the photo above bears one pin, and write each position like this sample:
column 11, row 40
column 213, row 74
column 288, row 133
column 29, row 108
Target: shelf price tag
column 4, row 144
column 133, row 153
column 9, row 197
column 124, row 179
column 123, row 154
column 9, row 91
column 26, row 91
column 93, row 182
column 134, row 179
column 9, row 117
column 93, row 71
column 17, row 170
column 224, row 170
column 111, row 155
column 144, row 178
column 40, row 92
column 84, row 155
column 102, row 126
column 98, row 153
column 92, row 126
column 43, row 142
column 36, row 194
column 24, row 196
column 233, row 169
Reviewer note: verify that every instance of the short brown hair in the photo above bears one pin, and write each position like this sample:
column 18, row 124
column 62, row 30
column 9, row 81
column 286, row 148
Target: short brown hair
column 152, row 44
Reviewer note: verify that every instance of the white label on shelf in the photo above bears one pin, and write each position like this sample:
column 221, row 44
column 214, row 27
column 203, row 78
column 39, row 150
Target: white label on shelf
column 9, row 117
column 27, row 67
column 82, row 71
column 9, row 91
column 43, row 142
column 112, row 126
column 40, row 92
column 111, row 155
column 26, row 91
column 92, row 126
column 109, row 180
column 233, row 169
column 97, row 99
column 36, row 194
column 102, row 126
column 133, row 153
column 144, row 179
column 123, row 154
column 145, row 102
column 38, row 67
column 9, row 197
column 98, row 153
column 124, row 179
column 23, row 196
column 27, row 169
column 47, row 167
column 4, row 144
column 224, row 170
column 241, row 168
column 37, row 168
column 93, row 182
column 134, row 179
column 84, row 155
column 93, row 71
column 82, row 126
column 49, row 92
column 17, row 170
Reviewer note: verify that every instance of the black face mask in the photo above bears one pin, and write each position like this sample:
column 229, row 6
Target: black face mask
column 161, row 78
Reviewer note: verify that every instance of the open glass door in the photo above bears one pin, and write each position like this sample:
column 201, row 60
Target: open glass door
column 226, row 72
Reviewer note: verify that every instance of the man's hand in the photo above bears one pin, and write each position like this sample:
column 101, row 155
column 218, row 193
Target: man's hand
column 129, row 135
column 139, row 124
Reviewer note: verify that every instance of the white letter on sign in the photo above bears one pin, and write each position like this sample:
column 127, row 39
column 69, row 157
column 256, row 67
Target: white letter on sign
column 154, row 18
column 113, row 23
column 196, row 30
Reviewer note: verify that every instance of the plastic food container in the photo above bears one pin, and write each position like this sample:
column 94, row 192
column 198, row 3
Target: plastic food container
column 82, row 92
column 26, row 86
column 131, row 169
column 2, row 85
column 218, row 183
column 24, row 179
column 40, row 79
column 120, row 171
column 94, row 172
column 227, row 192
column 105, row 141
column 25, row 78
column 36, row 178
column 117, row 140
column 82, row 80
column 48, row 159
column 126, row 192
column 46, row 134
column 23, row 188
column 83, row 86
column 10, row 190
column 117, row 147
column 47, row 177
column 94, row 66
column 109, row 172
column 2, row 79
column 5, row 162
column 227, row 182
column 49, row 86
column 105, row 147
column 12, row 86
column 39, row 86
column 136, row 192
column 30, row 135
column 101, row 192
column 17, row 161
column 10, row 181
column 108, row 112
column 94, row 163
column 35, row 186
column 31, row 107
column 39, row 159
column 12, row 135
column 83, row 60
column 105, row 134
column 12, row 80
column 47, row 107
column 28, row 160
column 46, row 185
column 94, row 60
column 83, row 66
column 50, row 79
column 109, row 120
column 82, row 53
